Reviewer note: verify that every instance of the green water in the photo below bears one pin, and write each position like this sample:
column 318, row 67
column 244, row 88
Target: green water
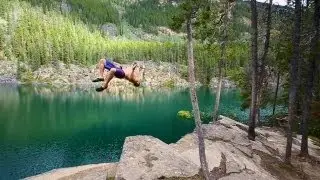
column 42, row 129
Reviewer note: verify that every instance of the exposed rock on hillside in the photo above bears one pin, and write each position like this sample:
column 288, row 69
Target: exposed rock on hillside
column 8, row 72
column 110, row 29
column 157, row 74
column 226, row 83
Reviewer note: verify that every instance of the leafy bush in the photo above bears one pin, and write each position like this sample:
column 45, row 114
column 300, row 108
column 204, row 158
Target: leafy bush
column 183, row 70
column 169, row 83
column 184, row 114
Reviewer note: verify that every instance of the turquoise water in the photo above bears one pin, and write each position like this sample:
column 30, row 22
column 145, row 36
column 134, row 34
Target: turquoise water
column 43, row 129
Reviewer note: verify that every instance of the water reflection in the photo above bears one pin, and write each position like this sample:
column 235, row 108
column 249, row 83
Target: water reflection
column 43, row 128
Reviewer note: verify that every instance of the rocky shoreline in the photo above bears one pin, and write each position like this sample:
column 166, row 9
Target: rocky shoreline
column 230, row 155
column 157, row 75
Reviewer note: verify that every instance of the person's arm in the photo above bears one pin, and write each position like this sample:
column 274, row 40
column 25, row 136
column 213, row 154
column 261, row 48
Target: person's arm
column 140, row 74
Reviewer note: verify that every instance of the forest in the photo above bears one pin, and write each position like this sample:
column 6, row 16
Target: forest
column 289, row 50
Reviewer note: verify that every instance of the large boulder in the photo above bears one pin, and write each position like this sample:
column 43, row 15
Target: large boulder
column 8, row 72
column 236, row 160
column 226, row 83
column 87, row 172
column 146, row 157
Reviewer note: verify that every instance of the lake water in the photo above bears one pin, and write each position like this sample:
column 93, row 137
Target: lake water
column 43, row 129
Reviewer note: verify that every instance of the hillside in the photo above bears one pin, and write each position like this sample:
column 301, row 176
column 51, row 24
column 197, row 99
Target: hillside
column 38, row 32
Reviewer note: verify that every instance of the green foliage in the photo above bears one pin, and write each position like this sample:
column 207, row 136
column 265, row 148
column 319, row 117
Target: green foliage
column 149, row 13
column 209, row 22
column 186, row 10
column 92, row 12
column 241, row 78
column 3, row 26
column 206, row 116
column 26, row 76
column 169, row 83
column 184, row 114
column 183, row 70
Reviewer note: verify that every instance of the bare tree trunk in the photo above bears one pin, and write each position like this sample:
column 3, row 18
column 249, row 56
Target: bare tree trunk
column 293, row 78
column 195, row 106
column 262, row 73
column 258, row 115
column 254, row 73
column 314, row 55
column 316, row 84
column 221, row 61
column 217, row 102
column 276, row 93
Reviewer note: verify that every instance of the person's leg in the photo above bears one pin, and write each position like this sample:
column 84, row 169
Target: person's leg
column 101, row 66
column 138, row 75
column 108, row 77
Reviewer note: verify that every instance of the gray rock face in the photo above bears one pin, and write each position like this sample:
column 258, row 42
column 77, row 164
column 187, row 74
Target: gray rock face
column 65, row 7
column 145, row 157
column 86, row 172
column 59, row 74
column 110, row 29
column 246, row 175
column 8, row 71
column 227, row 149
column 8, row 80
column 226, row 83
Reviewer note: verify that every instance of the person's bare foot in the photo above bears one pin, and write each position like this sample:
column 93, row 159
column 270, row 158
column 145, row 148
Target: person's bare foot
column 134, row 65
column 99, row 89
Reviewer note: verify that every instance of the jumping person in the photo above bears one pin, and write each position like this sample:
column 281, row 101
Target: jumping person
column 132, row 73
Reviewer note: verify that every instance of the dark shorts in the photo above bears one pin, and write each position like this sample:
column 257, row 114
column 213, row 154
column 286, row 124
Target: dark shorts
column 119, row 72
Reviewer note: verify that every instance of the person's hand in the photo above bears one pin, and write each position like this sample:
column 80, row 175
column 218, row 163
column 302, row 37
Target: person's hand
column 99, row 89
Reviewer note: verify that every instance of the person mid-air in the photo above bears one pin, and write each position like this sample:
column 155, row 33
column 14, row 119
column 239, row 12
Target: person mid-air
column 133, row 73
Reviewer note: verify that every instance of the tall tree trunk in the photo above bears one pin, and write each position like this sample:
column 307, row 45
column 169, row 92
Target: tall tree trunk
column 262, row 73
column 195, row 106
column 276, row 93
column 314, row 55
column 254, row 73
column 221, row 61
column 316, row 84
column 293, row 78
column 258, row 113
column 218, row 91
